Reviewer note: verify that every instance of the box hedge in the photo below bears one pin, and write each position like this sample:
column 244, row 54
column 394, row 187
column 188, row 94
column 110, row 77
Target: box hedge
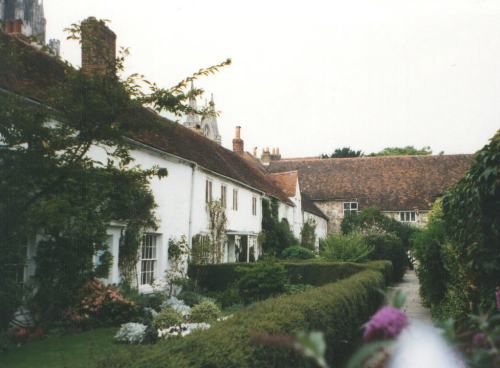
column 221, row 276
column 337, row 309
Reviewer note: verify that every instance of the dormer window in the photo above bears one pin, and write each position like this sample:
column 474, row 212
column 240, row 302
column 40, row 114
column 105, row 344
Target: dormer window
column 350, row 207
column 408, row 216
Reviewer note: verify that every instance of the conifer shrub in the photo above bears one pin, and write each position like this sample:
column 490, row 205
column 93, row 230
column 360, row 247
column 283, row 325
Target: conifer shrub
column 389, row 247
column 297, row 252
column 206, row 311
column 167, row 317
column 337, row 309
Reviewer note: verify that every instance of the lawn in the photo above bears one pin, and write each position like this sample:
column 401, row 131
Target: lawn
column 63, row 351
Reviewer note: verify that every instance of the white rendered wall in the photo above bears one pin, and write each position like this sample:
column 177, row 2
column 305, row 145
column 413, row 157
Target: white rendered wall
column 321, row 226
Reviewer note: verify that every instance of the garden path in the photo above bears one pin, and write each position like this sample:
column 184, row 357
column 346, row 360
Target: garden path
column 413, row 306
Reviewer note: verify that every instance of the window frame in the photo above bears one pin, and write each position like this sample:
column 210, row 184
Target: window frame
column 408, row 216
column 223, row 196
column 148, row 264
column 350, row 205
column 235, row 199
column 254, row 206
column 208, row 191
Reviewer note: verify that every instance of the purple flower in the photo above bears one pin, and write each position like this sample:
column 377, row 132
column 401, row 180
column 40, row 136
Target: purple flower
column 497, row 294
column 479, row 340
column 387, row 323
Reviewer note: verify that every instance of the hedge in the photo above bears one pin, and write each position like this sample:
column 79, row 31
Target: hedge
column 221, row 276
column 337, row 309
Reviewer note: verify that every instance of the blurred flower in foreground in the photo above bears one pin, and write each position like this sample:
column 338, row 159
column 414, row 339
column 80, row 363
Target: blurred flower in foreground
column 387, row 323
column 421, row 345
column 497, row 294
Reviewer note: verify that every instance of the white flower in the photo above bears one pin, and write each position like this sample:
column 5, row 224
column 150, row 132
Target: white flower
column 182, row 330
column 132, row 333
column 177, row 305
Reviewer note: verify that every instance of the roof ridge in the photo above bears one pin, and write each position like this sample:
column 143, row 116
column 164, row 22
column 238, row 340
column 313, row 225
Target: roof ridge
column 367, row 157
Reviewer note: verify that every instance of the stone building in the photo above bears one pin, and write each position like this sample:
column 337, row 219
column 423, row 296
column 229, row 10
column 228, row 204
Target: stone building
column 403, row 187
column 25, row 17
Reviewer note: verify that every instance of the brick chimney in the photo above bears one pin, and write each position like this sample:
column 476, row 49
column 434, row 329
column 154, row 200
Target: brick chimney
column 265, row 158
column 238, row 144
column 98, row 47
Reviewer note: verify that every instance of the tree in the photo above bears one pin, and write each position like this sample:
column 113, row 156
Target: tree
column 404, row 151
column 50, row 185
column 343, row 153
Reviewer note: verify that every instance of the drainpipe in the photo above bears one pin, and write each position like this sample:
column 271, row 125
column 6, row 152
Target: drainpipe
column 191, row 207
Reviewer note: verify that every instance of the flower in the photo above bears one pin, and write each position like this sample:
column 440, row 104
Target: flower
column 387, row 323
column 131, row 332
column 479, row 340
column 497, row 294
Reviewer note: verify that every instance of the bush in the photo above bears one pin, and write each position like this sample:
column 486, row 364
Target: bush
column 350, row 247
column 338, row 310
column 131, row 333
column 227, row 298
column 276, row 233
column 297, row 252
column 206, row 311
column 389, row 247
column 263, row 280
column 308, row 235
column 191, row 298
column 168, row 317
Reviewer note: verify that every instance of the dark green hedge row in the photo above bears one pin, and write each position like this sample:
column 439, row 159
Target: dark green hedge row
column 337, row 309
column 221, row 276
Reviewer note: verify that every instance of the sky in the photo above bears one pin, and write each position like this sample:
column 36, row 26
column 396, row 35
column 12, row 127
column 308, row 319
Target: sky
column 311, row 76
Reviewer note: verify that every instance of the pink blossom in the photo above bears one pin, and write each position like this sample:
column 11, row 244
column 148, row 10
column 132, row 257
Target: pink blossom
column 387, row 323
column 497, row 294
column 479, row 340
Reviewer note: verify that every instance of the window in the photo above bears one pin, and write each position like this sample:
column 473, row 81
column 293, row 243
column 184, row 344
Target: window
column 208, row 191
column 254, row 206
column 148, row 258
column 350, row 207
column 235, row 199
column 408, row 216
column 223, row 196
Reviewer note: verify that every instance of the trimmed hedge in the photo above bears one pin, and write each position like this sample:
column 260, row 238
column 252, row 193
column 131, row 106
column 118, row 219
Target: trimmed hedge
column 220, row 277
column 337, row 309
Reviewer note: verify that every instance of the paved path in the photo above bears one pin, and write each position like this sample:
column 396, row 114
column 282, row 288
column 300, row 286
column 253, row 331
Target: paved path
column 413, row 306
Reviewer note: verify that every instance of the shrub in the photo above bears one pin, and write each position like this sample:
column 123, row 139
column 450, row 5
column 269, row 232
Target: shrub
column 132, row 333
column 263, row 280
column 227, row 298
column 338, row 310
column 276, row 233
column 297, row 252
column 350, row 247
column 206, row 311
column 191, row 298
column 167, row 317
column 389, row 247
column 308, row 235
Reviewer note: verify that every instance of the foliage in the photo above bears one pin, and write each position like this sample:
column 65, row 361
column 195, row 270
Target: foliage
column 372, row 220
column 262, row 281
column 337, row 310
column 100, row 305
column 472, row 220
column 389, row 247
column 217, row 222
column 175, row 275
column 167, row 317
column 51, row 186
column 404, row 151
column 206, row 311
column 191, row 298
column 308, row 235
column 276, row 234
column 297, row 252
column 343, row 153
column 131, row 333
column 350, row 247
column 297, row 288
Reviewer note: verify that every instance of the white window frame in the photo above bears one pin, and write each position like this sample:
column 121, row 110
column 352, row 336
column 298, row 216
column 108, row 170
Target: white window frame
column 223, row 196
column 149, row 258
column 208, row 191
column 408, row 216
column 235, row 199
column 352, row 207
column 254, row 206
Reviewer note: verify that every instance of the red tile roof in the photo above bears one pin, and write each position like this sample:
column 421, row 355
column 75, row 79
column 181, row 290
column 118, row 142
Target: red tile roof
column 388, row 182
column 287, row 181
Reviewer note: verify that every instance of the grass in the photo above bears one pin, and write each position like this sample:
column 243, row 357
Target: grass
column 63, row 351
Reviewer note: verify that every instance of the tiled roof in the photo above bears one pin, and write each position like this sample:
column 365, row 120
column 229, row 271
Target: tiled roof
column 35, row 72
column 309, row 206
column 387, row 182
column 287, row 181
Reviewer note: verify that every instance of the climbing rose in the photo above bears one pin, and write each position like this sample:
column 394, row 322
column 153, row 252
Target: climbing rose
column 387, row 323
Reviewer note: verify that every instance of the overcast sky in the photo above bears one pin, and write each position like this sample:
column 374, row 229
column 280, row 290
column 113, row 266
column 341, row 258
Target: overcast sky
column 311, row 76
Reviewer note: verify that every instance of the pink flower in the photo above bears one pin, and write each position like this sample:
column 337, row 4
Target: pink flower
column 479, row 340
column 387, row 323
column 497, row 294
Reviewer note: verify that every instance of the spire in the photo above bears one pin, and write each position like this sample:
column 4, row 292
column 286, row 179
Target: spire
column 192, row 119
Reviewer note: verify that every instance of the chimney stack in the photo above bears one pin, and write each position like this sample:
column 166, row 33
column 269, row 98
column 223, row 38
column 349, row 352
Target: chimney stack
column 265, row 158
column 98, row 47
column 238, row 144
